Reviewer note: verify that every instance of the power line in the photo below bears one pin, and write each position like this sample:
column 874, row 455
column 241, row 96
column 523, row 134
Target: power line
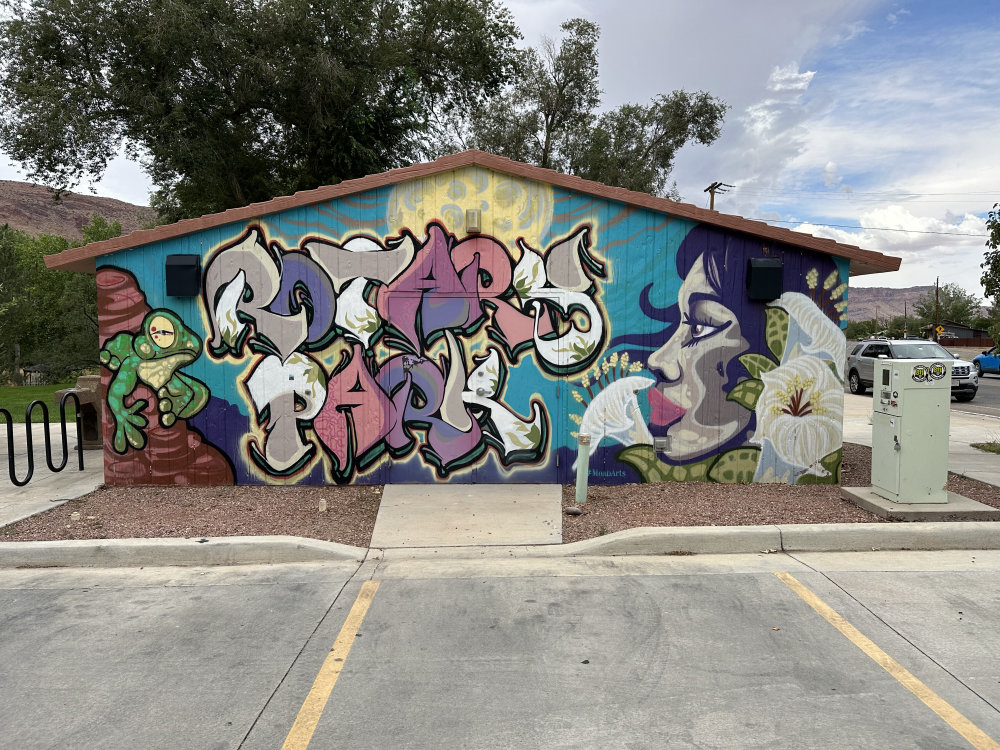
column 782, row 195
column 883, row 193
column 871, row 229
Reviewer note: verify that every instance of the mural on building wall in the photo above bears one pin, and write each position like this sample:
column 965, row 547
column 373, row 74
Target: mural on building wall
column 373, row 339
column 736, row 394
column 147, row 438
column 363, row 344
column 152, row 358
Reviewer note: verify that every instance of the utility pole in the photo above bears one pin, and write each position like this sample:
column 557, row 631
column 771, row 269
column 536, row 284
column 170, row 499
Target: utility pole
column 937, row 307
column 715, row 187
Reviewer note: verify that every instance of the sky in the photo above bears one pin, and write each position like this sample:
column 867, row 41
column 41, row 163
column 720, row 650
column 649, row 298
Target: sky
column 870, row 122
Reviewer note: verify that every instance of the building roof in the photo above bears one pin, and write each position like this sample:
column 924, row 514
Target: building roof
column 861, row 261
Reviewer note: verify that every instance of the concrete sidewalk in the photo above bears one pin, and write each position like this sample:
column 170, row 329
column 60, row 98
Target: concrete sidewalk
column 46, row 489
column 463, row 515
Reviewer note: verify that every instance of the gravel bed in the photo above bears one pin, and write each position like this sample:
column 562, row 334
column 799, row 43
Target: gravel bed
column 156, row 511
column 147, row 512
column 610, row 509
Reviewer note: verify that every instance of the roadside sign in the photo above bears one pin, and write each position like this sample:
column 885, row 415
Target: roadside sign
column 940, row 330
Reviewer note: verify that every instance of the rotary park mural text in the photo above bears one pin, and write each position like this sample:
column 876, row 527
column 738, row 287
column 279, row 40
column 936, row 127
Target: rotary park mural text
column 372, row 339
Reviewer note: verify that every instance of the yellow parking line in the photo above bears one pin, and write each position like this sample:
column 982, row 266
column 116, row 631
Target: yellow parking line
column 305, row 723
column 972, row 734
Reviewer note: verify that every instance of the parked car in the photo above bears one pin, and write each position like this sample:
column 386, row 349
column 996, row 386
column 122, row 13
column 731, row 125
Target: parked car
column 861, row 364
column 988, row 361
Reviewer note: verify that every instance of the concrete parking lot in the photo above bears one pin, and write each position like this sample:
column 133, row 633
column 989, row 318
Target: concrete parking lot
column 706, row 651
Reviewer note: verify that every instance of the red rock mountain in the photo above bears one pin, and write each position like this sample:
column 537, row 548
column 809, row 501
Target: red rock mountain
column 867, row 304
column 32, row 209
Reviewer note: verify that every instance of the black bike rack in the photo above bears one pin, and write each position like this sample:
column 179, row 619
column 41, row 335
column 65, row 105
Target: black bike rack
column 48, row 439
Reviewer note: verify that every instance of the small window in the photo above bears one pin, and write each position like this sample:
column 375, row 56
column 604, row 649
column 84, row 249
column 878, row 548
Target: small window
column 857, row 348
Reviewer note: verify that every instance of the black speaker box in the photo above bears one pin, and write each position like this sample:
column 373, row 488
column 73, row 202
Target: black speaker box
column 183, row 275
column 764, row 278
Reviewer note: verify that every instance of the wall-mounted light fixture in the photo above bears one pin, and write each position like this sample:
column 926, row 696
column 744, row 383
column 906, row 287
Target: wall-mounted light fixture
column 183, row 273
column 473, row 220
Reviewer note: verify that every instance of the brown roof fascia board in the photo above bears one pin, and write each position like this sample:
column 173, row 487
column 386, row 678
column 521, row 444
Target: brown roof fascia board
column 862, row 261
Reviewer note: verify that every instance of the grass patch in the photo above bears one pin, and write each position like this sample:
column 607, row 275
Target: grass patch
column 991, row 447
column 16, row 399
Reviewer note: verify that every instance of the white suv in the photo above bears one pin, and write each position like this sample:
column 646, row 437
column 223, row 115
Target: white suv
column 861, row 363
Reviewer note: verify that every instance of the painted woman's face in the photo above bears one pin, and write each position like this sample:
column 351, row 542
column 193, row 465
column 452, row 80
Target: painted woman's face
column 688, row 402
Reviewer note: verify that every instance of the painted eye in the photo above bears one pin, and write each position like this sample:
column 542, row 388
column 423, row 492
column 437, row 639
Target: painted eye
column 162, row 332
column 702, row 330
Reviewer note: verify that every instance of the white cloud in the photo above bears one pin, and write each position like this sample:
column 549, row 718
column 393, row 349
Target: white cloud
column 950, row 247
column 788, row 78
column 851, row 31
column 896, row 16
column 830, row 177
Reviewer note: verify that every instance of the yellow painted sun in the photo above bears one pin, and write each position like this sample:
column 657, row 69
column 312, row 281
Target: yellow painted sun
column 512, row 207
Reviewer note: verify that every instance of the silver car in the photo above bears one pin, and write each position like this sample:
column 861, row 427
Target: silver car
column 861, row 363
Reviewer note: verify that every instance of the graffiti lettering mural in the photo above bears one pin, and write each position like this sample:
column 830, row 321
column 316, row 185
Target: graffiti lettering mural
column 365, row 348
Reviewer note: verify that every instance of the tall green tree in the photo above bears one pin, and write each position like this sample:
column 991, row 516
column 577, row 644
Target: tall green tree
column 549, row 116
column 228, row 102
column 991, row 264
column 47, row 317
column 952, row 303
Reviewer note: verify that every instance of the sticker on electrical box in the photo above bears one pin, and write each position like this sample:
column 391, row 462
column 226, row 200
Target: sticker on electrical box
column 938, row 370
column 920, row 373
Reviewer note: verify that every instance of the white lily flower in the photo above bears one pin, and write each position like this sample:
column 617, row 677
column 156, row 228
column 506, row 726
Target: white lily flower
column 800, row 411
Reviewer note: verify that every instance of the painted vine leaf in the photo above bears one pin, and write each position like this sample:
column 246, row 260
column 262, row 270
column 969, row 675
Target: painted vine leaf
column 746, row 393
column 776, row 332
column 832, row 463
column 644, row 460
column 582, row 351
column 735, row 466
column 757, row 364
column 833, row 368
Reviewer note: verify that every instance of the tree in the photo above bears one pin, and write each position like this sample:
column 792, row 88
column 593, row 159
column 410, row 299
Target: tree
column 860, row 329
column 47, row 317
column 228, row 102
column 991, row 264
column 951, row 303
column 548, row 116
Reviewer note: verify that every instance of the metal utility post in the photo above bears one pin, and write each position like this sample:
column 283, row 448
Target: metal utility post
column 582, row 466
column 715, row 187
column 937, row 307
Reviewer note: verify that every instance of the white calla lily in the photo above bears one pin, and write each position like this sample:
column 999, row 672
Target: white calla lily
column 825, row 336
column 800, row 412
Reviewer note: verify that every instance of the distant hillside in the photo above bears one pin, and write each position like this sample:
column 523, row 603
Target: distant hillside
column 866, row 304
column 30, row 208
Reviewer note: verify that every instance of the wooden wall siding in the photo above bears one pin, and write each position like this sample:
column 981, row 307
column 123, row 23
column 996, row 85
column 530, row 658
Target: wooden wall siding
column 372, row 339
